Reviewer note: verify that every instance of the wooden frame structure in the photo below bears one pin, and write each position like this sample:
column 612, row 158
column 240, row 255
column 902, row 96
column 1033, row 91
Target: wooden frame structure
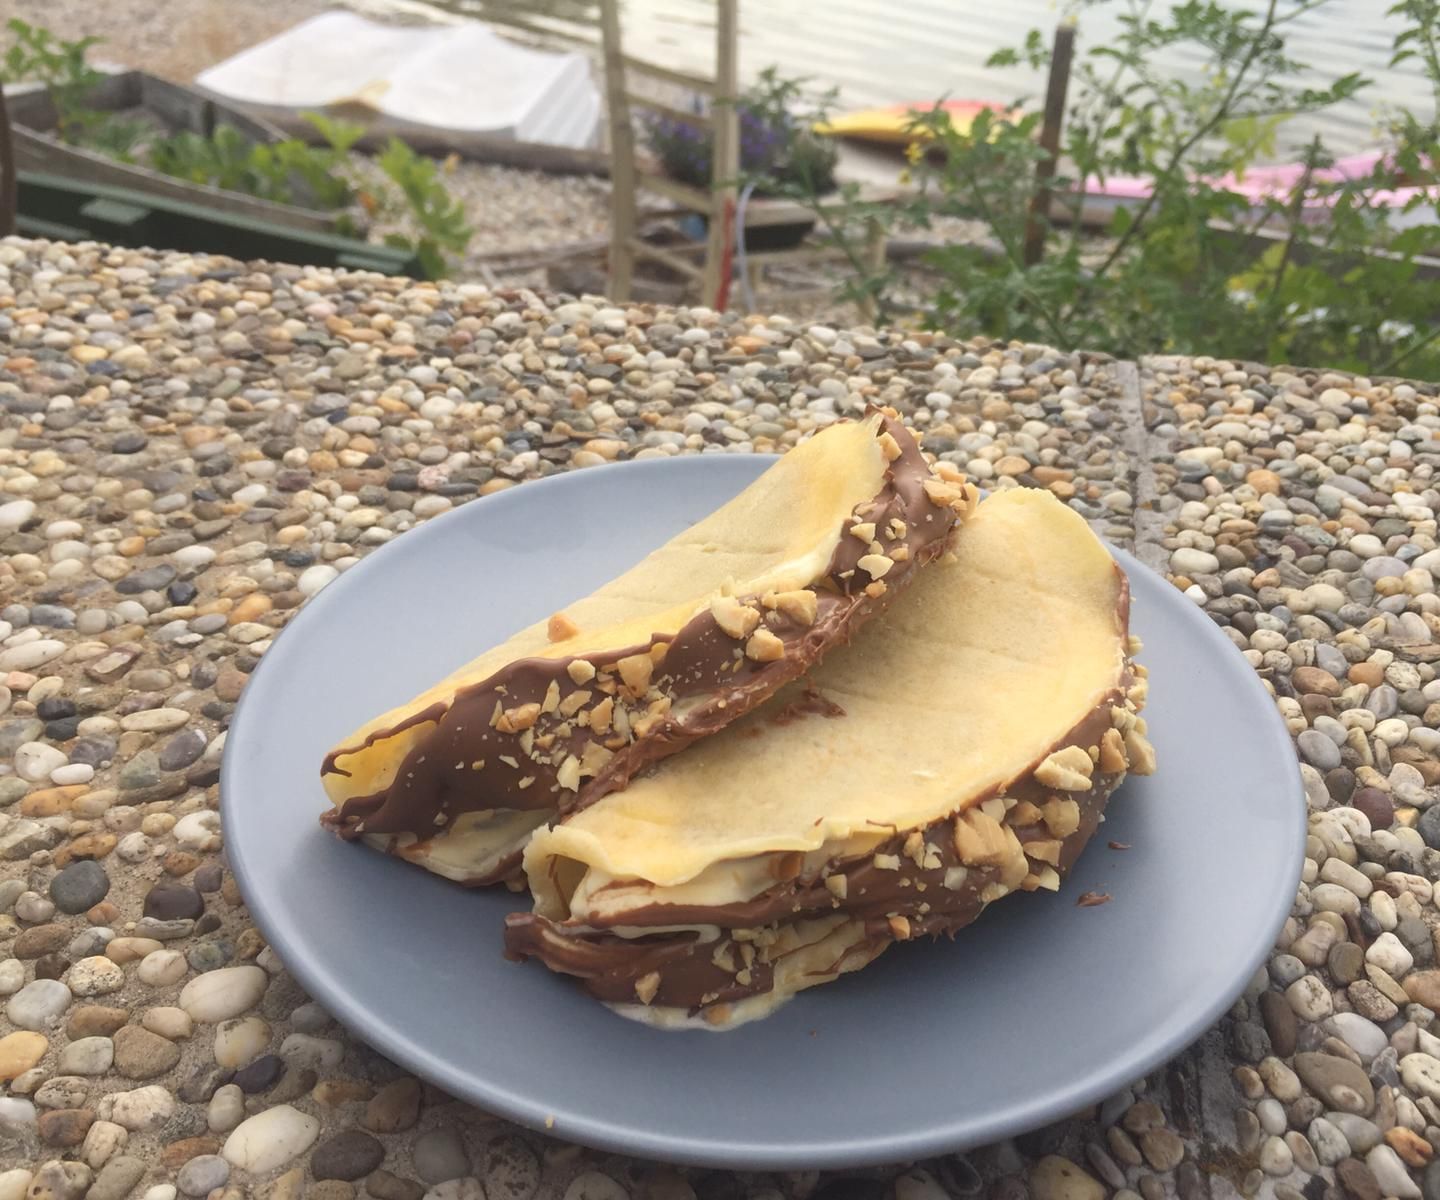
column 629, row 172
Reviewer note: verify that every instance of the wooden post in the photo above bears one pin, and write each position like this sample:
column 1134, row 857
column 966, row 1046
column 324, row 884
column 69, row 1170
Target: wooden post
column 622, row 157
column 874, row 264
column 725, row 157
column 1055, row 92
column 9, row 180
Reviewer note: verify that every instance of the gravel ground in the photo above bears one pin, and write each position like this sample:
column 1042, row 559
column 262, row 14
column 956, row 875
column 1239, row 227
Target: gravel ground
column 190, row 447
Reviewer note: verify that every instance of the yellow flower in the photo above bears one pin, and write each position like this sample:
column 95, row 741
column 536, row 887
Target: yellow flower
column 914, row 151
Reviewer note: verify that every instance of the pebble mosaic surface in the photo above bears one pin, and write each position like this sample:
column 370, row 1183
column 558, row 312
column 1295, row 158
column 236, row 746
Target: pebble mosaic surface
column 191, row 447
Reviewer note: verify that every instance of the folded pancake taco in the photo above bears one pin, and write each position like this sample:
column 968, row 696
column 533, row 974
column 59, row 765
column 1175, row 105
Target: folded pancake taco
column 690, row 639
column 960, row 749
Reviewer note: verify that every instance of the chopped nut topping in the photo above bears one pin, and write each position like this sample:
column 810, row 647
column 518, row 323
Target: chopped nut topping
column 932, row 860
column 1140, row 752
column 510, row 761
column 568, row 776
column 979, row 839
column 992, row 892
column 994, row 808
column 561, row 628
column 1138, row 692
column 915, row 846
column 949, row 472
column 1133, row 644
column 574, row 702
column 875, row 565
column 1046, row 877
column 1112, row 753
column 733, row 617
column 478, row 765
column 1015, row 867
column 1024, row 813
column 899, row 928
column 865, row 531
column 646, row 987
column 955, row 878
column 800, row 606
column 594, row 758
column 1067, row 770
column 600, row 715
column 658, row 652
column 580, row 671
column 522, row 716
column 1062, row 816
column 838, row 886
column 889, row 447
column 552, row 698
column 764, row 646
column 900, row 554
column 886, row 862
column 635, row 671
column 526, row 782
column 875, row 590
column 897, row 528
column 1047, row 850
column 497, row 714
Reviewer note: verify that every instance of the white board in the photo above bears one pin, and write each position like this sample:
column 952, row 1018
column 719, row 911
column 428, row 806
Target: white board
column 461, row 76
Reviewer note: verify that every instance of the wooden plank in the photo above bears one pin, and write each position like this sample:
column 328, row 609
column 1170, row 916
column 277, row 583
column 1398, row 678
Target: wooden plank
column 696, row 83
column 699, row 120
column 189, row 108
column 622, row 156
column 9, row 191
column 725, row 156
column 37, row 152
column 691, row 198
column 671, row 259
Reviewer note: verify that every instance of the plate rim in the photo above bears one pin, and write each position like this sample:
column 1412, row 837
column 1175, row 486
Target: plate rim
column 1160, row 1045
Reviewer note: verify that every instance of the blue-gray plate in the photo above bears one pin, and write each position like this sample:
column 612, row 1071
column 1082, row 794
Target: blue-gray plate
column 1037, row 1010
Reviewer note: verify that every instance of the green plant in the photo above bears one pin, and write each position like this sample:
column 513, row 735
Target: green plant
column 1319, row 271
column 439, row 215
column 37, row 55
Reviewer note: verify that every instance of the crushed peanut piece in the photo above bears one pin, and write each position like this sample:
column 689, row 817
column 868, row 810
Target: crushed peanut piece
column 580, row 671
column 764, row 646
column 522, row 716
column 1139, row 750
column 1062, row 816
column 979, row 839
column 568, row 776
column 886, row 862
column 899, row 928
column 552, row 698
column 574, row 702
column 1046, row 850
column 1112, row 752
column 1067, row 770
column 600, row 715
column 864, row 530
column 875, row 565
column 889, row 447
column 800, row 606
column 1024, row 813
column 838, row 886
column 561, row 628
column 646, row 987
column 635, row 671
column 733, row 617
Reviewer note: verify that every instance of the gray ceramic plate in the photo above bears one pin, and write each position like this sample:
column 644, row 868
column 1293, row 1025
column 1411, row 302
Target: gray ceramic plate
column 1039, row 1009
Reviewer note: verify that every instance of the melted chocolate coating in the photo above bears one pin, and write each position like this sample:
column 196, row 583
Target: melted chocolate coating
column 700, row 681
column 609, row 965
